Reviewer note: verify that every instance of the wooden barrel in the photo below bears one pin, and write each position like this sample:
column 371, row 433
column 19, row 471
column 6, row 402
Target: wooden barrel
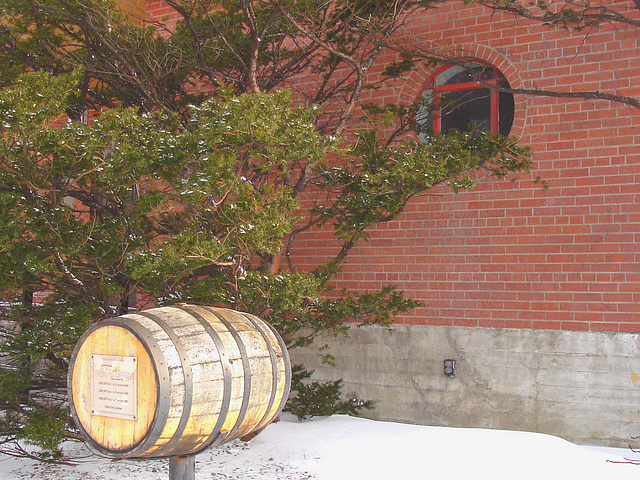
column 172, row 381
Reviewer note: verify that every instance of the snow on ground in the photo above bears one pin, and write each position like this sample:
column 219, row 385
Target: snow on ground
column 347, row 448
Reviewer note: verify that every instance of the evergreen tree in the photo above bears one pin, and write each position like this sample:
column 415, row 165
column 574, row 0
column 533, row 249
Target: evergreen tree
column 170, row 196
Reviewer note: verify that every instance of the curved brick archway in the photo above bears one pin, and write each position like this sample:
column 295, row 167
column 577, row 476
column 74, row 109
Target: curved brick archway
column 416, row 81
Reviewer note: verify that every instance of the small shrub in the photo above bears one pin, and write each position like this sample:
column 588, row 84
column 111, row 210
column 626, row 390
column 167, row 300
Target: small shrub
column 312, row 399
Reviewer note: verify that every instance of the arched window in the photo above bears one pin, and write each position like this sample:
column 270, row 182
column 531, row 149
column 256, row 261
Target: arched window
column 457, row 98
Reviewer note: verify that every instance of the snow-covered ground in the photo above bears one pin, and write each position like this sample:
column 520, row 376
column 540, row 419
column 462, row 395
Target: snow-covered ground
column 346, row 448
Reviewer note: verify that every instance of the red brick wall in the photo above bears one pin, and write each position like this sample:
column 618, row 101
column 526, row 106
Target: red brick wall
column 159, row 11
column 510, row 254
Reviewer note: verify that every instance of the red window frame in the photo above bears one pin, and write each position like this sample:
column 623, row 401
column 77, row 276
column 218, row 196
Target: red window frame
column 494, row 95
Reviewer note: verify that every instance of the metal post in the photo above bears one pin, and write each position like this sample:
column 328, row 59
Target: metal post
column 182, row 468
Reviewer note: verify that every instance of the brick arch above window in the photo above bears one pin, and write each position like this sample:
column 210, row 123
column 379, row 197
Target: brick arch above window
column 418, row 80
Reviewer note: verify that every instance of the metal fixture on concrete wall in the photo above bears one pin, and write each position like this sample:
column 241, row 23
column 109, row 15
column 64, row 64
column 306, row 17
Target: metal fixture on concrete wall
column 450, row 368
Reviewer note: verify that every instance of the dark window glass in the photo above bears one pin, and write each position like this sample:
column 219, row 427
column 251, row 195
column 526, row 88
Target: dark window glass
column 506, row 110
column 462, row 109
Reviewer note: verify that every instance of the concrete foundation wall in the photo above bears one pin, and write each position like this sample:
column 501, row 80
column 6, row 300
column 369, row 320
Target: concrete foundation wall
column 582, row 386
